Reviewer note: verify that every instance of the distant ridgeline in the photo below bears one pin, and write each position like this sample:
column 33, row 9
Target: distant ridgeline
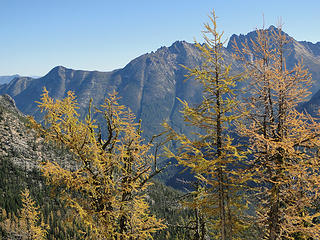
column 7, row 79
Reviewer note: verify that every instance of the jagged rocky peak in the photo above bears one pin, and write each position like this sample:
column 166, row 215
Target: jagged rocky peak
column 242, row 38
column 178, row 47
column 237, row 39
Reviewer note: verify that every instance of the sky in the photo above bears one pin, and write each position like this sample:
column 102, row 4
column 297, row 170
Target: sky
column 103, row 35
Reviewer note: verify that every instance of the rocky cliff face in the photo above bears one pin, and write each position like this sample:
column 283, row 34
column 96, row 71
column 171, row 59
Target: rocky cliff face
column 21, row 145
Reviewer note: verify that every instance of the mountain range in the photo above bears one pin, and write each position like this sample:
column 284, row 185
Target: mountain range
column 150, row 84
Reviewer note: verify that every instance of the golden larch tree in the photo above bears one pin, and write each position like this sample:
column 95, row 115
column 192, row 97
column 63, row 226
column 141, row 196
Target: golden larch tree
column 28, row 225
column 284, row 142
column 30, row 221
column 106, row 186
column 211, row 153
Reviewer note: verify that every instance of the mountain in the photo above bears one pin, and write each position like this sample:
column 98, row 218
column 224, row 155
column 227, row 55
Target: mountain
column 7, row 79
column 295, row 51
column 149, row 84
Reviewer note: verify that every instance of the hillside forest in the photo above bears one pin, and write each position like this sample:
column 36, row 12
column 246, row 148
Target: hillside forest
column 252, row 160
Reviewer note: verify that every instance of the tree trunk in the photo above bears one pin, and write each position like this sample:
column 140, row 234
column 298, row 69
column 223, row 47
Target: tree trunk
column 222, row 205
column 274, row 214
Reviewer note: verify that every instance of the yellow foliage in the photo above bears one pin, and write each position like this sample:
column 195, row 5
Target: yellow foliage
column 107, row 184
column 211, row 152
column 29, row 224
column 284, row 142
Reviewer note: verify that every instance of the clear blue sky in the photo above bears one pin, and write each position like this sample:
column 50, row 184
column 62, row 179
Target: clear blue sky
column 36, row 35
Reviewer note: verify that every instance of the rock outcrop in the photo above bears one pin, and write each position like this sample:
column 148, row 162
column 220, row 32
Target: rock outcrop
column 20, row 144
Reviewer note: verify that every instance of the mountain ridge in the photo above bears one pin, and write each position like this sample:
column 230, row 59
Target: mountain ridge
column 149, row 84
